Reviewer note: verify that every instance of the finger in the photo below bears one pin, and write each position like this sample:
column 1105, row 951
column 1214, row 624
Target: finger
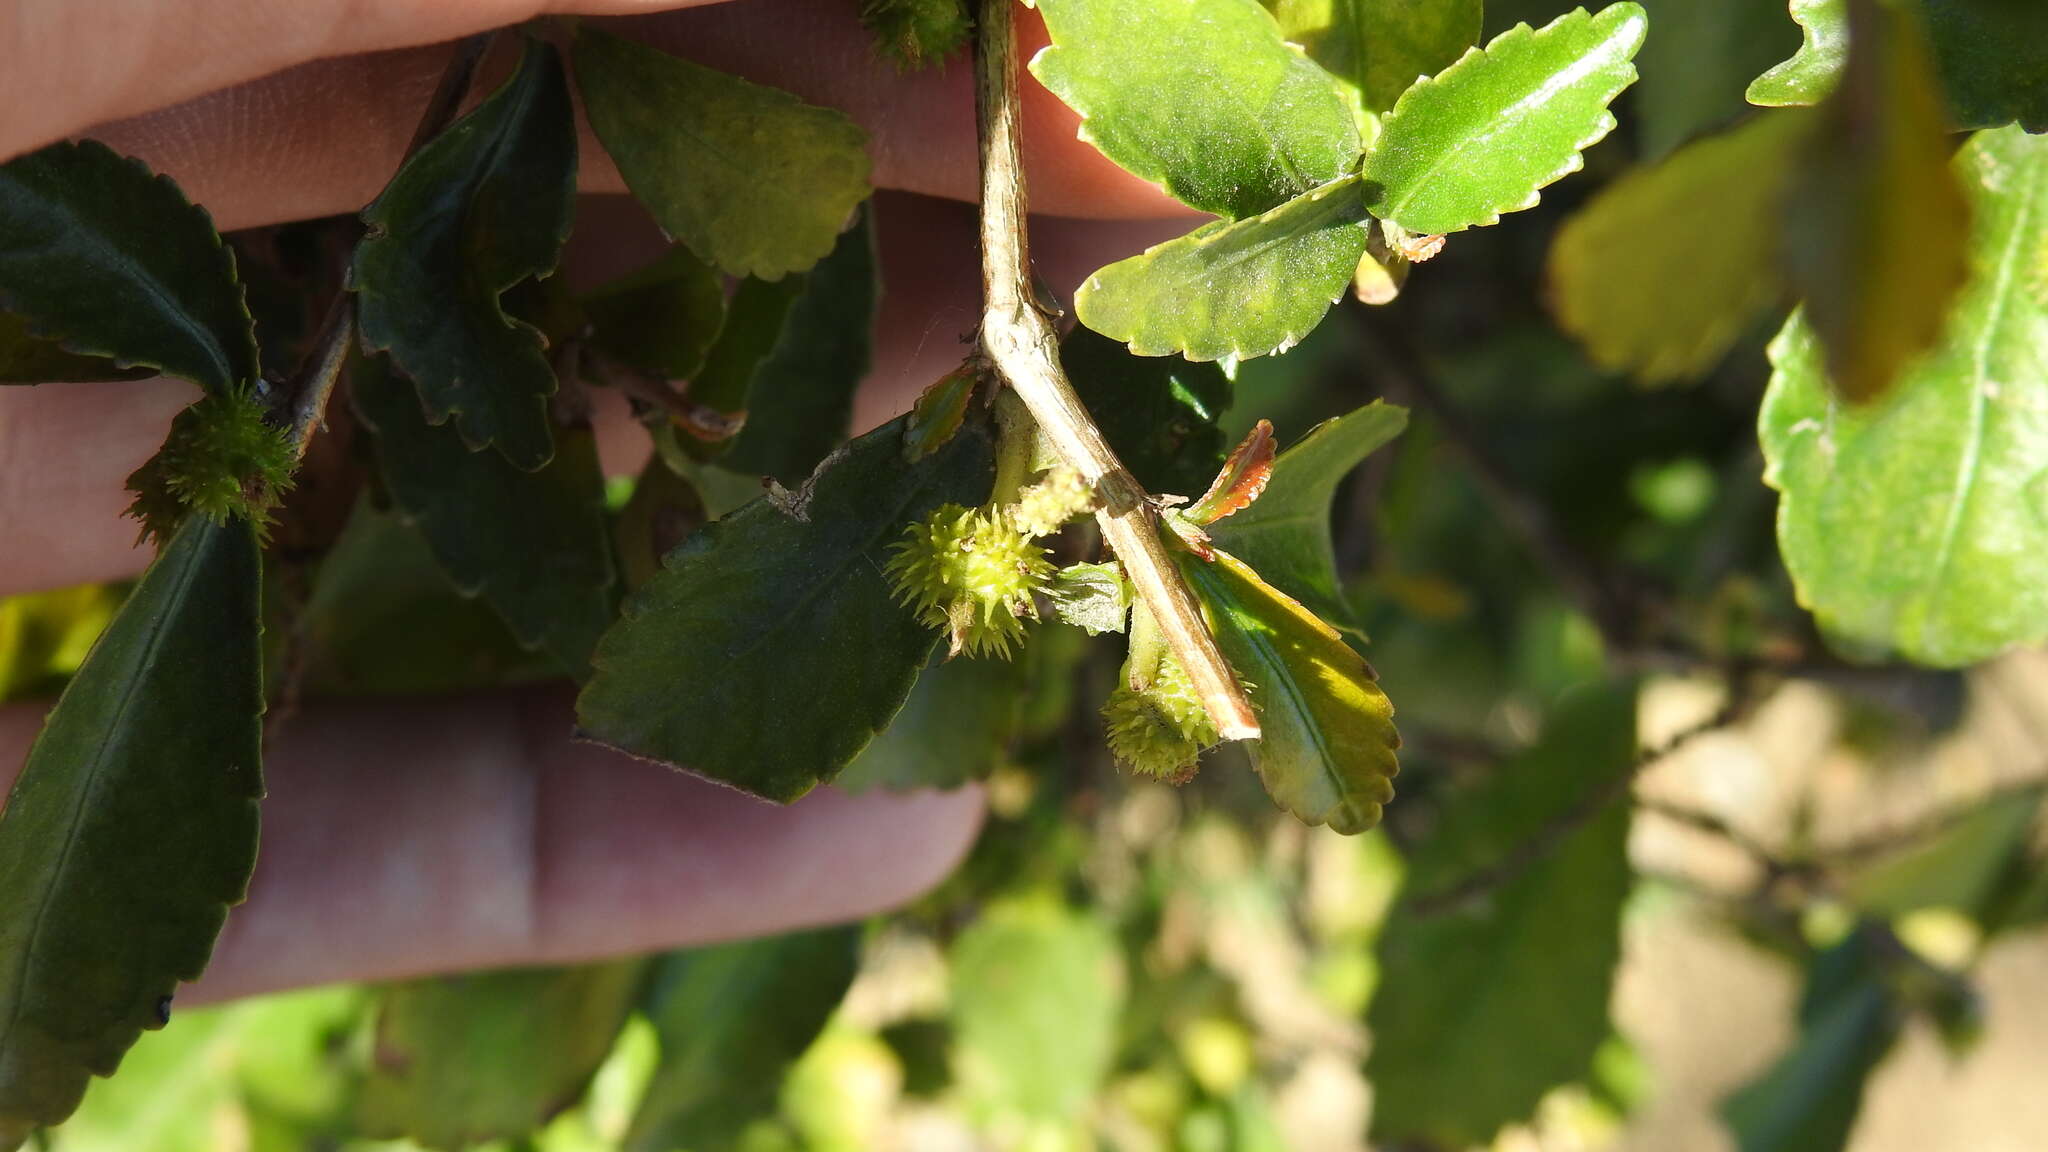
column 406, row 838
column 323, row 137
column 66, row 449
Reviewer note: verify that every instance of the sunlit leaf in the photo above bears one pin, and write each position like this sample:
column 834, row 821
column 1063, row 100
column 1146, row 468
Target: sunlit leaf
column 1380, row 47
column 1092, row 597
column 1812, row 73
column 1036, row 990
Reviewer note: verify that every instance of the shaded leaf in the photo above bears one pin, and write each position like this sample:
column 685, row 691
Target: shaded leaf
column 1092, row 597
column 28, row 359
column 1159, row 414
column 664, row 509
column 1482, row 1009
column 1036, row 989
column 1916, row 524
column 1696, row 62
column 132, row 827
column 1232, row 291
column 1200, row 96
column 1285, row 536
column 758, row 315
column 750, row 177
column 956, row 727
column 1379, row 47
column 661, row 318
column 771, row 649
column 1327, row 752
column 1959, row 868
column 1485, row 135
column 732, row 1019
column 480, row 208
column 104, row 259
column 491, row 1055
column 1661, row 272
column 1876, row 169
column 534, row 545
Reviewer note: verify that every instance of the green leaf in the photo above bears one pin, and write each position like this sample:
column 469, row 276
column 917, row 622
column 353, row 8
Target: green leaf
column 800, row 395
column 1812, row 73
column 132, row 827
column 104, row 259
column 1958, row 868
column 1485, row 135
column 1092, row 597
column 754, row 323
column 1327, row 753
column 1876, row 169
column 534, row 545
column 751, row 178
column 772, row 649
column 661, row 318
column 955, row 727
column 1232, row 291
column 1159, row 414
column 1380, row 47
column 1697, row 60
column 732, row 1019
column 1482, row 1009
column 479, row 209
column 1036, row 992
column 26, row 358
column 1285, row 534
column 1660, row 273
column 1916, row 524
column 1200, row 96
column 491, row 1055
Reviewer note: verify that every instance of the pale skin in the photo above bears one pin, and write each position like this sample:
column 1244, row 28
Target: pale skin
column 430, row 835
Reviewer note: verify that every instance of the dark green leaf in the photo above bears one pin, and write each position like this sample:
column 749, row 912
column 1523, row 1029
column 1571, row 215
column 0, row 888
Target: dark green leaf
column 1158, row 412
column 772, row 649
column 27, row 359
column 1914, row 524
column 1487, row 134
column 732, row 1019
column 956, row 727
column 1285, row 534
column 534, row 545
column 665, row 508
column 132, row 827
column 662, row 318
column 1036, row 990
column 491, row 1055
column 1232, row 291
column 751, row 178
column 1327, row 752
column 1482, row 1009
column 1697, row 60
column 104, row 259
column 482, row 207
column 1379, row 47
column 755, row 321
column 1092, row 597
column 1201, row 96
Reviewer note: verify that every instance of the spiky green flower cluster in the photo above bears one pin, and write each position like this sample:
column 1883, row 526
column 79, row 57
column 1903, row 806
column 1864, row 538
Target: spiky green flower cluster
column 916, row 33
column 221, row 459
column 1045, row 507
column 972, row 573
column 1161, row 730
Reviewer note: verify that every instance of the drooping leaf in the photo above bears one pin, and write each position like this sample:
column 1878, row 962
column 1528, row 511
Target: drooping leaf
column 1486, row 135
column 1482, row 1009
column 955, row 727
column 661, row 318
column 1696, row 62
column 751, row 178
column 104, row 259
column 28, row 359
column 1285, row 535
column 1661, row 272
column 1232, row 291
column 479, row 209
column 1160, row 414
column 1809, row 75
column 1327, row 752
column 1915, row 524
column 1200, row 96
column 771, row 649
column 800, row 396
column 534, row 545
column 1875, row 168
column 132, row 827
column 1379, row 47
column 491, row 1055
column 1092, row 597
column 732, row 1019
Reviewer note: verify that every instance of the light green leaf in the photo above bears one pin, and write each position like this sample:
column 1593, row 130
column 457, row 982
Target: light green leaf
column 1285, row 534
column 771, row 649
column 1663, row 270
column 1327, row 753
column 1380, row 47
column 1917, row 524
column 1698, row 58
column 104, row 259
column 1485, row 135
column 1958, row 868
column 751, row 178
column 1482, row 1009
column 1159, row 414
column 1200, row 96
column 479, row 209
column 1092, row 597
column 661, row 318
column 132, row 827
column 534, row 545
column 1232, row 291
column 1036, row 990
column 956, row 727
column 491, row 1055
column 1812, row 73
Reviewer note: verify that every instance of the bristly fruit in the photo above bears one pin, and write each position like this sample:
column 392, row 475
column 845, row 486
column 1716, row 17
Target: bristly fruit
column 972, row 573
column 222, row 459
column 916, row 33
column 1161, row 730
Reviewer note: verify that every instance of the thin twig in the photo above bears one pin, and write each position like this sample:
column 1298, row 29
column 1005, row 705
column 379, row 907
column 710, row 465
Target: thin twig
column 1021, row 343
column 313, row 384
